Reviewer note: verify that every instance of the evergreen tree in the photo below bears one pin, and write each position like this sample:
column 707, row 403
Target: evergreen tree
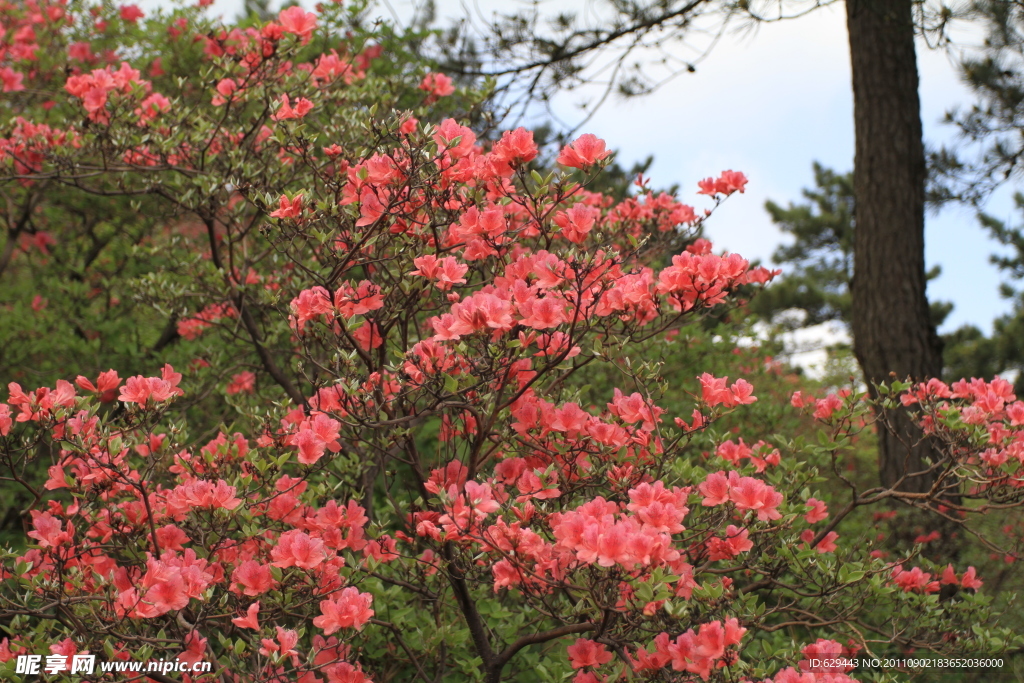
column 987, row 157
column 1005, row 349
column 260, row 9
column 991, row 147
column 818, row 264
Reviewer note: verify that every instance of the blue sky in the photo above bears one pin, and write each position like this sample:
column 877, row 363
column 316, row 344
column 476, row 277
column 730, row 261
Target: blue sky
column 769, row 103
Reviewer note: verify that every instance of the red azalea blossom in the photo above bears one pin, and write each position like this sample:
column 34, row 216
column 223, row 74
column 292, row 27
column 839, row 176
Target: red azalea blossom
column 583, row 152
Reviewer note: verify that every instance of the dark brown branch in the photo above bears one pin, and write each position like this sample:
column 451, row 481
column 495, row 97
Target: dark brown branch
column 542, row 637
column 477, row 629
column 268, row 361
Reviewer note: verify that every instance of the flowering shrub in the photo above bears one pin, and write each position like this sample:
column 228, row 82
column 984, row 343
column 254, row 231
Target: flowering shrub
column 403, row 314
column 118, row 257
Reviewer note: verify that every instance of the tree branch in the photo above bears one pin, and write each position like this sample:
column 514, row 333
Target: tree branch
column 542, row 637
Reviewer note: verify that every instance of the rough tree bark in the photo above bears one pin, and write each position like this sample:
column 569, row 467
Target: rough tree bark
column 892, row 330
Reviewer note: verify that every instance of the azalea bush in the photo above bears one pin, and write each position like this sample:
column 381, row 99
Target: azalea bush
column 84, row 229
column 107, row 259
column 443, row 447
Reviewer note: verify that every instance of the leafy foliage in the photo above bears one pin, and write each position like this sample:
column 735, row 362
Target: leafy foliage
column 445, row 412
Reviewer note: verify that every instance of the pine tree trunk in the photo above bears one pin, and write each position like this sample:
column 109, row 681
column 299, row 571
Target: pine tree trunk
column 892, row 331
